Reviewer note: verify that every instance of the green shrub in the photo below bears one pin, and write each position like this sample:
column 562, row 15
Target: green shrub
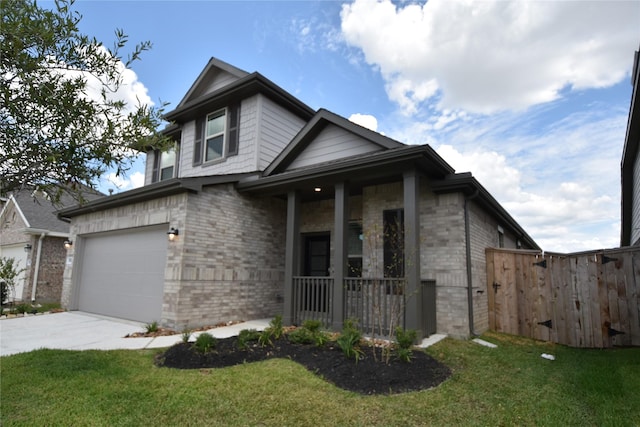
column 309, row 333
column 151, row 327
column 312, row 325
column 205, row 342
column 23, row 308
column 245, row 336
column 405, row 340
column 301, row 336
column 349, row 340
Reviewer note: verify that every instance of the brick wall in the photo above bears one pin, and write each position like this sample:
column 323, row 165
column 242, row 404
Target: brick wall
column 232, row 262
column 50, row 273
column 228, row 263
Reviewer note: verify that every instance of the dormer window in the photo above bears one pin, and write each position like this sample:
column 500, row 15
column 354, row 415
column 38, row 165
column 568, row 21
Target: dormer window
column 214, row 145
column 216, row 136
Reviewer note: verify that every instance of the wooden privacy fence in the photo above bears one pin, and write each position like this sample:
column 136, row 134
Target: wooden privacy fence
column 587, row 299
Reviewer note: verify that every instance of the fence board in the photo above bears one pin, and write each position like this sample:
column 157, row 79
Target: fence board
column 583, row 297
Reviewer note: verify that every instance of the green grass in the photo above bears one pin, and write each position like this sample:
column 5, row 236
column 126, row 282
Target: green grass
column 510, row 385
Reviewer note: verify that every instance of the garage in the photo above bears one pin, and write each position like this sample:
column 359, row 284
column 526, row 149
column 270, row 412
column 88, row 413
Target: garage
column 122, row 273
column 18, row 253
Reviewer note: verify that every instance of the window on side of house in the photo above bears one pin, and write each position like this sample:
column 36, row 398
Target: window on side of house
column 215, row 135
column 167, row 164
column 164, row 165
column 354, row 249
column 500, row 237
column 393, row 242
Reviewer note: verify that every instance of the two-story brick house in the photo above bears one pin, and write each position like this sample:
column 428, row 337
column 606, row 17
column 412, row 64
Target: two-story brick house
column 279, row 209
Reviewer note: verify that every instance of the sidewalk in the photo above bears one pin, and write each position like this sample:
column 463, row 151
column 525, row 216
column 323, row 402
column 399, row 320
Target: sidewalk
column 84, row 331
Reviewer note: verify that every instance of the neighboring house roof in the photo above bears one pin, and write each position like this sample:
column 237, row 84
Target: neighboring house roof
column 629, row 156
column 39, row 214
column 244, row 87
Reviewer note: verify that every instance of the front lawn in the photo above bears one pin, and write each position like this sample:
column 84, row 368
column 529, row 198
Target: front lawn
column 509, row 385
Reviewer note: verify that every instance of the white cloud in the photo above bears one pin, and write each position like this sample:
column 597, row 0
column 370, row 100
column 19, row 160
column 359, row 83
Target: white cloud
column 487, row 56
column 365, row 120
column 129, row 181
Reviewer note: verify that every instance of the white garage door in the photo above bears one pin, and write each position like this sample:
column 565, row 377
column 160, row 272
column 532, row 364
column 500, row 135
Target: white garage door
column 16, row 252
column 122, row 274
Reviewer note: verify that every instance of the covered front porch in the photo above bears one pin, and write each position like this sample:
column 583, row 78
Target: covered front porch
column 353, row 239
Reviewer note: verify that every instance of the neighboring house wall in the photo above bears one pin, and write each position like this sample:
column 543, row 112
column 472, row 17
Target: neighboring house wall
column 635, row 206
column 50, row 271
column 12, row 240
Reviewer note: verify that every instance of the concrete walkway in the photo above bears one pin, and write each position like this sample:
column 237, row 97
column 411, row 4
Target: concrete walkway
column 84, row 331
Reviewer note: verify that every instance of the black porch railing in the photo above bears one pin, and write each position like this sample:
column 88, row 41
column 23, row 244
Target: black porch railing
column 378, row 304
column 312, row 299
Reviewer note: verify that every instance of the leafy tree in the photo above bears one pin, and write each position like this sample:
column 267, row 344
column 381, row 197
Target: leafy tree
column 62, row 121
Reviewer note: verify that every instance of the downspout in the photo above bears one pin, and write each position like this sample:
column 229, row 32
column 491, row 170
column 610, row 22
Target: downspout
column 467, row 232
column 35, row 275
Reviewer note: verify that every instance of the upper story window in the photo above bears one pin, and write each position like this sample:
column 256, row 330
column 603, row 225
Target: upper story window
column 164, row 165
column 167, row 164
column 217, row 135
column 214, row 146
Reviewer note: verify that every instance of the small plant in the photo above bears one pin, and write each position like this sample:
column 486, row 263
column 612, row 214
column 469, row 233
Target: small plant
column 276, row 327
column 265, row 337
column 23, row 308
column 245, row 336
column 309, row 333
column 405, row 340
column 275, row 330
column 151, row 327
column 186, row 335
column 205, row 342
column 349, row 340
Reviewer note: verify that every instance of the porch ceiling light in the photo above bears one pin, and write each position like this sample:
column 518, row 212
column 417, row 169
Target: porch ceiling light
column 317, row 189
column 68, row 244
column 28, row 247
column 173, row 233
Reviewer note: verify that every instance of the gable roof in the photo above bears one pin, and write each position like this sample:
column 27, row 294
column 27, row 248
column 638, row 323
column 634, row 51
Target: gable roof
column 39, row 214
column 212, row 66
column 244, row 87
column 629, row 156
column 311, row 130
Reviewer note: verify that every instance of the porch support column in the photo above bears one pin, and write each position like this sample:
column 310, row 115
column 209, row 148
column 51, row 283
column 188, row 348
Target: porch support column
column 292, row 254
column 413, row 295
column 341, row 219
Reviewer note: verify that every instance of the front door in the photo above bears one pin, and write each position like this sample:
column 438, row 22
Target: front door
column 316, row 254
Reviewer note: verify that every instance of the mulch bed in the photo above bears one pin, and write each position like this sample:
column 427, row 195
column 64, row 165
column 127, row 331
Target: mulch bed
column 366, row 376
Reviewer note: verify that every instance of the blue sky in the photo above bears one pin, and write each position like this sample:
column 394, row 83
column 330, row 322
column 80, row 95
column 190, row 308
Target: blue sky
column 531, row 97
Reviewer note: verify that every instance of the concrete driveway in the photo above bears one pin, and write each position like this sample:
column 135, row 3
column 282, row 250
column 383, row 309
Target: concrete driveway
column 84, row 331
